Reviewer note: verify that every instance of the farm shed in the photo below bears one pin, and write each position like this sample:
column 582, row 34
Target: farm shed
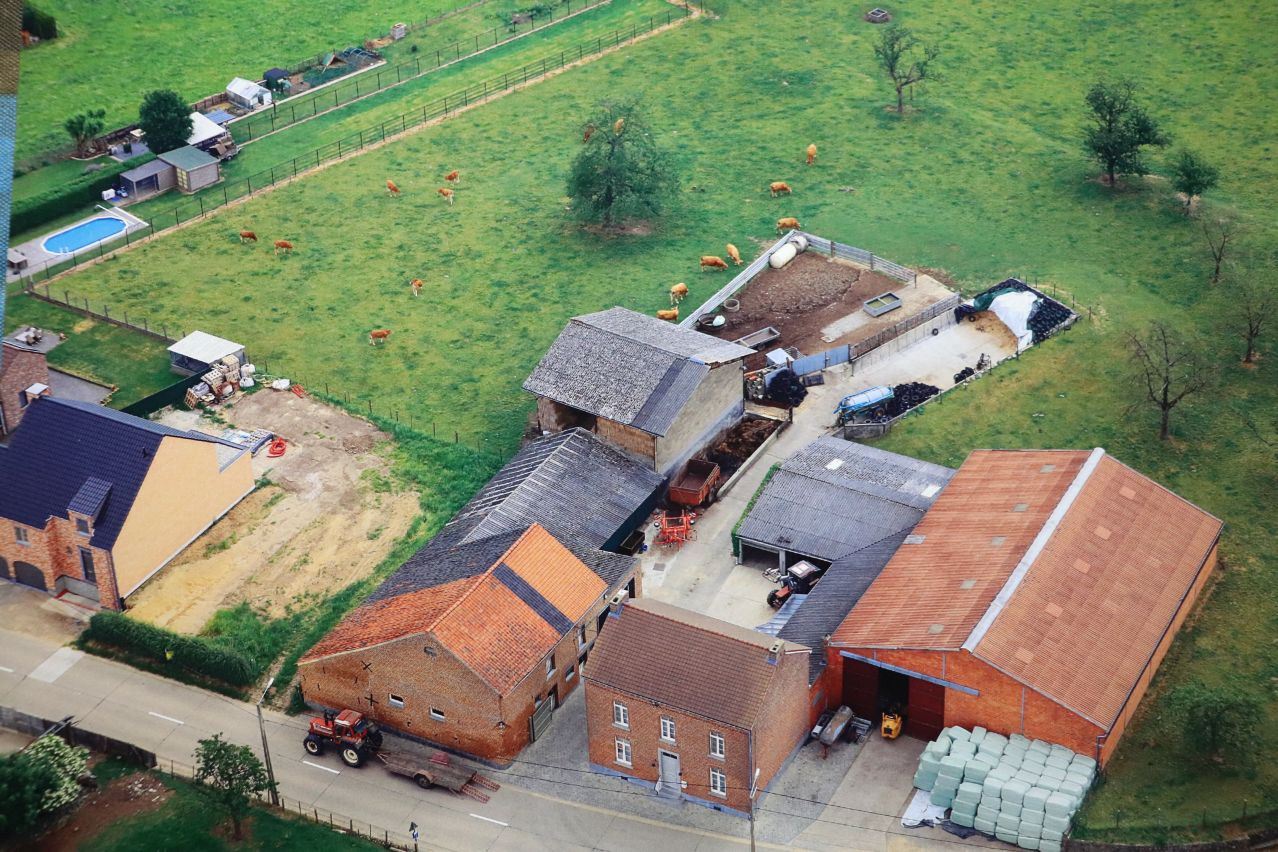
column 656, row 390
column 209, row 136
column 247, row 94
column 835, row 497
column 693, row 704
column 148, row 179
column 192, row 168
column 199, row 350
column 1037, row 596
column 277, row 79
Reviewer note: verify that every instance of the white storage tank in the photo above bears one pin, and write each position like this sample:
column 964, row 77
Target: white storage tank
column 783, row 255
column 800, row 242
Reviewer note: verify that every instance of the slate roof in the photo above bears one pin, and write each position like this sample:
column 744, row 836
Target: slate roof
column 90, row 498
column 629, row 367
column 687, row 661
column 835, row 497
column 61, row 444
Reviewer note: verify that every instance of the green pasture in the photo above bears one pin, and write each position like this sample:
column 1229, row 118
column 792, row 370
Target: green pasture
column 986, row 179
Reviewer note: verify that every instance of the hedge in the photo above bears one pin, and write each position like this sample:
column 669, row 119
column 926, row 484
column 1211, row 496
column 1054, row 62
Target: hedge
column 71, row 196
column 40, row 24
column 193, row 653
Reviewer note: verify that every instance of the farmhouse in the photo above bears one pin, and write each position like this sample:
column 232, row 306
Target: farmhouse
column 95, row 501
column 693, row 704
column 655, row 390
column 1037, row 596
column 475, row 640
column 24, row 375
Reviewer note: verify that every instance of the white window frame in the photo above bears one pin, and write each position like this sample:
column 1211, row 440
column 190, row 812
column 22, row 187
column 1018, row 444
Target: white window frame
column 623, row 755
column 438, row 715
column 668, row 738
column 718, row 782
column 571, row 672
column 396, row 701
column 716, row 738
column 21, row 536
column 550, row 667
column 82, row 527
column 620, row 715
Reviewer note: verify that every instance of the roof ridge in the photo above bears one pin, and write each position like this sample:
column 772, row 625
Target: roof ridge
column 619, row 335
column 704, row 629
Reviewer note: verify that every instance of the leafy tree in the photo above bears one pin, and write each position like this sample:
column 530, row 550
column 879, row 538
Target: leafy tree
column 1166, row 370
column 230, row 775
column 1192, row 176
column 1216, row 719
column 66, row 763
column 621, row 172
column 165, row 119
column 905, row 60
column 1119, row 129
column 25, row 783
column 84, row 127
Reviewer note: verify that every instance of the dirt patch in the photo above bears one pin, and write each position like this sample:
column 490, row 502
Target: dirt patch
column 125, row 797
column 330, row 515
column 731, row 449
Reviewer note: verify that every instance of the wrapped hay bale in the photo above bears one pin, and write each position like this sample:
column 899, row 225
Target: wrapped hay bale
column 1055, row 773
column 1061, row 806
column 1041, row 746
column 1052, row 835
column 1036, row 799
column 987, row 812
column 1035, row 758
column 983, row 825
column 968, row 793
column 992, row 788
column 1002, row 772
column 1071, row 788
column 942, row 744
column 1058, row 760
column 1007, row 828
column 963, row 748
column 1055, row 823
column 1026, row 777
column 941, row 796
column 1045, row 845
column 976, row 771
column 978, row 735
column 965, row 820
column 1029, row 817
column 924, row 780
column 1014, row 791
column 1010, row 809
column 957, row 734
column 1012, row 759
column 1083, row 762
column 951, row 768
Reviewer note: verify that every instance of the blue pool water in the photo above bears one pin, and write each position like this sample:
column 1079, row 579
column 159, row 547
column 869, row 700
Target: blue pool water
column 83, row 234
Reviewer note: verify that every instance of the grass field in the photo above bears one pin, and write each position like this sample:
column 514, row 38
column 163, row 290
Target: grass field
column 985, row 180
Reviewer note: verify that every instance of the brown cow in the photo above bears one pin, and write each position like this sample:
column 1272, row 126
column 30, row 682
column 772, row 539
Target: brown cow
column 248, row 237
column 670, row 315
column 812, row 153
column 678, row 293
column 446, row 193
column 283, row 246
column 416, row 284
column 712, row 262
column 453, row 177
column 378, row 334
column 789, row 223
column 392, row 188
column 587, row 133
column 618, row 126
column 779, row 187
column 734, row 254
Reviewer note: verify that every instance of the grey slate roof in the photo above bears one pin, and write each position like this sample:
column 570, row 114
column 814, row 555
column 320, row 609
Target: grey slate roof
column 834, row 497
column 89, row 499
column 437, row 564
column 628, row 367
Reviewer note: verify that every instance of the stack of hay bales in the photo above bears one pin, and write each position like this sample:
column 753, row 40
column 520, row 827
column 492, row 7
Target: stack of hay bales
column 1019, row 790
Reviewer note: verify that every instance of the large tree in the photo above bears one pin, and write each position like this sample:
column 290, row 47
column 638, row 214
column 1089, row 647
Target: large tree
column 1166, row 369
column 165, row 119
column 84, row 127
column 621, row 173
column 1192, row 176
column 1216, row 719
column 231, row 776
column 905, row 60
column 1119, row 128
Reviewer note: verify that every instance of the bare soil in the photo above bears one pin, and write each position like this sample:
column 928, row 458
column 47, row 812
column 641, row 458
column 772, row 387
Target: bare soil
column 330, row 515
column 125, row 797
column 732, row 448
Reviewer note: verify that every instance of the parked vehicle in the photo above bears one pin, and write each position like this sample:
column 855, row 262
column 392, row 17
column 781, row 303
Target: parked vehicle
column 799, row 578
column 870, row 402
column 354, row 736
column 697, row 485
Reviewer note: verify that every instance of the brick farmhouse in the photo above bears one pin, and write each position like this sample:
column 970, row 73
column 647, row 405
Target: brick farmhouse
column 22, row 369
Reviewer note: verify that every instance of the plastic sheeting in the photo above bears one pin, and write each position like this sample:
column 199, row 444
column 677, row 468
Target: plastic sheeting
column 1014, row 309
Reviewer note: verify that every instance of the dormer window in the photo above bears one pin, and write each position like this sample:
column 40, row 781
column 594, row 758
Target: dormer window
column 82, row 526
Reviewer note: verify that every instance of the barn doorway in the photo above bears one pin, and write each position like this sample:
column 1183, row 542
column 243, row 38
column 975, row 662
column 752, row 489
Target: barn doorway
column 872, row 690
column 894, row 692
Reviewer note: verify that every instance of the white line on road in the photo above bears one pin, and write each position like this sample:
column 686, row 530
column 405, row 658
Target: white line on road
column 490, row 819
column 166, row 718
column 56, row 665
column 325, row 768
column 6, row 669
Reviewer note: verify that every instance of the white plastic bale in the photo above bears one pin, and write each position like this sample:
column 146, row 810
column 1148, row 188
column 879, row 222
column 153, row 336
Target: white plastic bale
column 957, row 734
column 924, row 781
column 1032, row 817
column 783, row 255
column 966, row 808
column 941, row 797
column 1045, row 845
column 1083, row 762
column 1002, row 772
column 978, row 735
column 943, row 744
column 984, row 826
column 1030, row 830
column 1007, row 822
column 1059, row 805
column 1058, row 760
column 1071, row 788
column 1026, row 777
column 965, row 820
column 1014, row 759
column 968, row 792
column 1014, row 791
column 987, row 812
column 1027, row 842
column 1010, row 809
column 1035, row 798
column 952, row 767
column 963, row 748
column 1019, row 738
column 1054, row 772
column 976, row 771
column 1041, row 746
column 993, row 787
column 1005, row 835
column 1053, row 835
column 1055, row 823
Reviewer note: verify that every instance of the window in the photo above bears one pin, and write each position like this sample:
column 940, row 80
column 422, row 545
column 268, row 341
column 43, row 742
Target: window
column 581, row 636
column 718, row 782
column 571, row 673
column 437, row 715
column 86, row 565
column 667, row 729
column 550, row 667
column 716, row 745
column 620, row 715
column 81, row 526
column 20, row 533
column 623, row 752
column 396, row 701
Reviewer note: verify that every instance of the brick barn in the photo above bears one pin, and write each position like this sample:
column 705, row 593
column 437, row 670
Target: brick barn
column 1038, row 595
column 692, row 704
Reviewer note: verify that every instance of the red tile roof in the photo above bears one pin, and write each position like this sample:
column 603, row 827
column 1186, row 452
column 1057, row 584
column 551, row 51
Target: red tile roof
column 390, row 619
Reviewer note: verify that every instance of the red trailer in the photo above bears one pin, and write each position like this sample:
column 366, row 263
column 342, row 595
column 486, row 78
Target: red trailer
column 697, row 485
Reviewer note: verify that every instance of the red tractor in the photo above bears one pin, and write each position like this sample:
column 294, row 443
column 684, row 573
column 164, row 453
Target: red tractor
column 355, row 736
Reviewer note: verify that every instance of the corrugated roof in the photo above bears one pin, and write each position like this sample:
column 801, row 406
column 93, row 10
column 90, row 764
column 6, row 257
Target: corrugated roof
column 205, row 348
column 153, row 167
column 688, row 661
column 203, row 129
column 835, row 497
column 628, row 367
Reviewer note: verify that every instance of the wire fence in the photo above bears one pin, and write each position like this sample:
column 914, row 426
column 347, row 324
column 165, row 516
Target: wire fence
column 220, row 195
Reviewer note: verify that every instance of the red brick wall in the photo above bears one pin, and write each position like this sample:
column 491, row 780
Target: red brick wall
column 783, row 722
column 19, row 370
column 55, row 550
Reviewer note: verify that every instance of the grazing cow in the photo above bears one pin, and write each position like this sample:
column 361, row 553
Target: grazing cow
column 416, row 284
column 453, row 177
column 248, row 237
column 812, row 153
column 587, row 133
column 734, row 254
column 711, row 262
column 283, row 246
column 670, row 315
column 446, row 193
column 392, row 188
column 618, row 126
column 677, row 293
column 789, row 223
column 378, row 334
column 779, row 187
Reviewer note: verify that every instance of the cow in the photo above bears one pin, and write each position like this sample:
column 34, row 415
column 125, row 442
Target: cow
column 677, row 293
column 711, row 262
column 453, row 177
column 587, row 133
column 416, row 284
column 378, row 334
column 392, row 188
column 671, row 315
column 248, row 237
column 618, row 126
column 789, row 223
column 283, row 246
column 779, row 187
column 812, row 153
column 734, row 254
column 446, row 194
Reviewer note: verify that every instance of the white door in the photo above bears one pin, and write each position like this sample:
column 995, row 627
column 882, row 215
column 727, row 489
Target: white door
column 668, row 785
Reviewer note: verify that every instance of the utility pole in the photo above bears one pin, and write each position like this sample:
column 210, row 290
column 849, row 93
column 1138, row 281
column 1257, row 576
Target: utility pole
column 754, row 788
column 266, row 749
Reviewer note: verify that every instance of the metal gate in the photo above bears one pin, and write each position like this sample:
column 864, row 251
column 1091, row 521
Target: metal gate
column 540, row 719
column 861, row 688
column 820, row 361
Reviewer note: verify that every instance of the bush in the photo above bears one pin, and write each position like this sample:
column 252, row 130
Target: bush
column 40, row 24
column 84, row 191
column 66, row 763
column 193, row 653
column 25, row 782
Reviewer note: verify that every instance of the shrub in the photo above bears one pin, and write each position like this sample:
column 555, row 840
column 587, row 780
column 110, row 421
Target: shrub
column 85, row 190
column 65, row 763
column 40, row 24
column 25, row 783
column 194, row 653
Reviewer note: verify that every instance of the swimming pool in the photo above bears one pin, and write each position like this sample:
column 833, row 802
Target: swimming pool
column 84, row 234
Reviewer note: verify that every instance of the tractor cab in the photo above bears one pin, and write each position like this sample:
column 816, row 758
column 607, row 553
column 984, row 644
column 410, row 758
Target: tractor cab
column 348, row 730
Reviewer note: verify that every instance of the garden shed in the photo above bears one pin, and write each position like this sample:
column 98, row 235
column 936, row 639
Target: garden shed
column 148, row 179
column 276, row 79
column 199, row 350
column 194, row 169
column 247, row 94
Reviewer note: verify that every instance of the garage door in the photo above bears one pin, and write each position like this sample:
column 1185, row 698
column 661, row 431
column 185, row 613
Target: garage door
column 861, row 688
column 29, row 575
column 926, row 715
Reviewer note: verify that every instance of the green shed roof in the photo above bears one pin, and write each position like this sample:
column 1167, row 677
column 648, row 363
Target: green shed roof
column 187, row 159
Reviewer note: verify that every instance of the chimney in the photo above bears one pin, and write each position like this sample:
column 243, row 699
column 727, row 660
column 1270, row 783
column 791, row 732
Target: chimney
column 774, row 652
column 617, row 603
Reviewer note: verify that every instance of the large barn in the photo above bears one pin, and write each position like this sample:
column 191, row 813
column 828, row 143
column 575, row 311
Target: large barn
column 1038, row 595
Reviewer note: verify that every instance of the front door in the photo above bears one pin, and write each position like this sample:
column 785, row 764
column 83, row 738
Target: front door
column 668, row 785
column 86, row 565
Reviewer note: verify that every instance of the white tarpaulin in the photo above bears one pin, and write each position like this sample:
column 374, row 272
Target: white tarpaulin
column 922, row 812
column 1014, row 310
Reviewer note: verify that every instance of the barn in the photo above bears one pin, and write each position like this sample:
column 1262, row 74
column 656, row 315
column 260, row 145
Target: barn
column 1037, row 595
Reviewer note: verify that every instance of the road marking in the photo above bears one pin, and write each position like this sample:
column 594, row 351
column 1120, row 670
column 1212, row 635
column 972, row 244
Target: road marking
column 166, row 718
column 6, row 669
column 325, row 768
column 56, row 665
column 490, row 819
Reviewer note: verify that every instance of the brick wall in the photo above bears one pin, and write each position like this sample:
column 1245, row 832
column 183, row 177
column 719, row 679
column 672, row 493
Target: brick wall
column 636, row 442
column 55, row 550
column 716, row 404
column 20, row 369
column 783, row 721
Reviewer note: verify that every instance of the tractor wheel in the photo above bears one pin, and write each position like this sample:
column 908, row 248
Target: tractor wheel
column 313, row 745
column 352, row 756
column 374, row 740
column 423, row 782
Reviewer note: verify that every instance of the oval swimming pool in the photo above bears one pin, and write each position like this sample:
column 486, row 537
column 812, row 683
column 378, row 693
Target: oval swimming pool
column 84, row 234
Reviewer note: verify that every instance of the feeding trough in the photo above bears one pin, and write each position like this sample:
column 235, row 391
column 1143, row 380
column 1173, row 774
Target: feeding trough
column 882, row 304
column 878, row 16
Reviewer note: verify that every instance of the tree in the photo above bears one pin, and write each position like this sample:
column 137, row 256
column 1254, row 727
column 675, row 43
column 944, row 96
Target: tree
column 1167, row 370
column 26, row 783
column 230, row 775
column 621, row 172
column 1219, row 235
column 1192, row 176
column 165, row 120
column 84, row 127
column 1215, row 719
column 898, row 52
column 1119, row 129
column 1253, row 304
